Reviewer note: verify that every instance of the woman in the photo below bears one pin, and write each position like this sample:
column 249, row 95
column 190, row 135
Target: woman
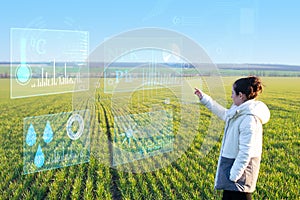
column 241, row 149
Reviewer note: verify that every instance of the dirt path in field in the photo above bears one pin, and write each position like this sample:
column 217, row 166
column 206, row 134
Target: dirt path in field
column 115, row 191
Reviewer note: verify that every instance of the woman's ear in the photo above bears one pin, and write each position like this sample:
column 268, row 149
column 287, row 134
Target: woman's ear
column 240, row 94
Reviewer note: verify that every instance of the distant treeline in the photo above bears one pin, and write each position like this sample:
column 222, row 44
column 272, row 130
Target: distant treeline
column 272, row 70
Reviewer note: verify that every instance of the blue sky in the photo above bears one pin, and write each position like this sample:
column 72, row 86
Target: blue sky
column 229, row 31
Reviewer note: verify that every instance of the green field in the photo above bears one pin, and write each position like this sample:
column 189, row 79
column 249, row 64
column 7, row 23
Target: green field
column 189, row 177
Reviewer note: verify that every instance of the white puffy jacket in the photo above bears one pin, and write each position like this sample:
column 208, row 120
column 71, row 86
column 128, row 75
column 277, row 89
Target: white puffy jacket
column 241, row 149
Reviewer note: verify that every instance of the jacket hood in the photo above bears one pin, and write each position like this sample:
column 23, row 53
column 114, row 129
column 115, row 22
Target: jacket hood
column 252, row 107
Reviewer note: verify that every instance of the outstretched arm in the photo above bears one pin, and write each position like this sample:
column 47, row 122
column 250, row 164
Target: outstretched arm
column 212, row 105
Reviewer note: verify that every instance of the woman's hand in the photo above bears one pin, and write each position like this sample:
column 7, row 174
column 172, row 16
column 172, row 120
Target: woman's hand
column 198, row 93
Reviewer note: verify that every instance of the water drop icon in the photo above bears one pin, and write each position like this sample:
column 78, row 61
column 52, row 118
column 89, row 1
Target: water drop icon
column 31, row 135
column 39, row 157
column 48, row 133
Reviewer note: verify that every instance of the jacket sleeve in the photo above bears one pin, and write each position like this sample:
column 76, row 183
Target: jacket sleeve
column 249, row 132
column 213, row 106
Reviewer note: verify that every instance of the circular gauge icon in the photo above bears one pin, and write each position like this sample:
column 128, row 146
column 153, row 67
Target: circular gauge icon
column 23, row 74
column 75, row 126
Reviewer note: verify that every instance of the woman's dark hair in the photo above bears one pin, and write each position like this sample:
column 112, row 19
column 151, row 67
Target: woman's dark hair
column 251, row 86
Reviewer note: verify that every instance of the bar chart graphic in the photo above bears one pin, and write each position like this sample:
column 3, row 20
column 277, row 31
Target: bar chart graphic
column 47, row 79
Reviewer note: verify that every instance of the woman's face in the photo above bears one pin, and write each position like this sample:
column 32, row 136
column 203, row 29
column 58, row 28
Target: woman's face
column 237, row 99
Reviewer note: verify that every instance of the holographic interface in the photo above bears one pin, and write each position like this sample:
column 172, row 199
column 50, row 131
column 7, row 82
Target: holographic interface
column 56, row 140
column 48, row 61
column 142, row 135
